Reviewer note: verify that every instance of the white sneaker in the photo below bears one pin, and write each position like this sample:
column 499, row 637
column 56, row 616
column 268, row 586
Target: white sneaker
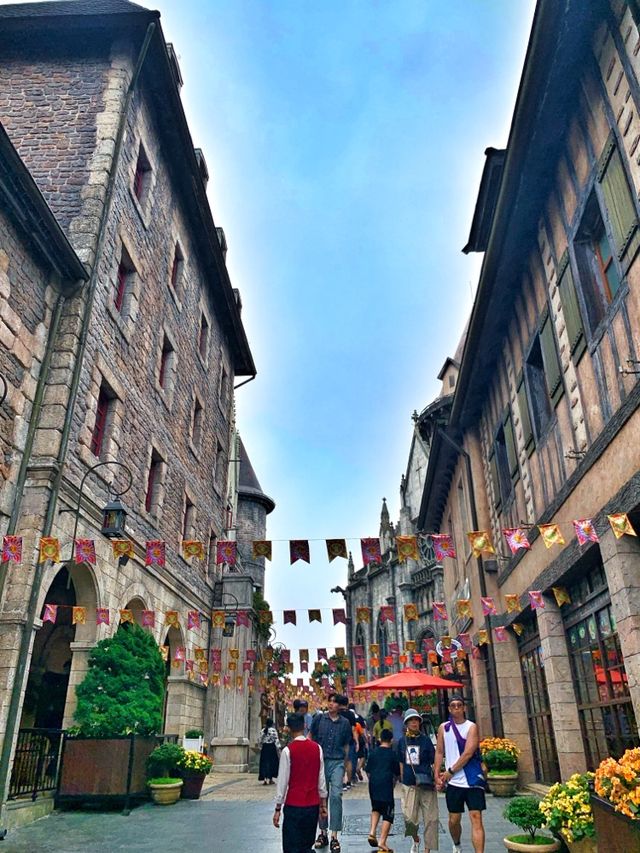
column 415, row 847
column 456, row 849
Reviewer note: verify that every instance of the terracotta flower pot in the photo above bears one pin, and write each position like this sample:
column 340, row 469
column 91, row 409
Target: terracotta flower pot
column 193, row 782
column 520, row 847
column 503, row 785
column 166, row 795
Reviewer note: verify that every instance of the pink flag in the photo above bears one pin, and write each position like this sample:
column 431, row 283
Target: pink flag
column 371, row 553
column 304, row 666
column 299, row 550
column 322, row 654
column 500, row 634
column 85, row 551
column 465, row 641
column 443, row 546
column 102, row 615
column 193, row 620
column 339, row 616
column 148, row 618
column 188, row 666
column 289, row 617
column 242, row 619
column 439, row 611
column 358, row 651
column 155, row 553
column 394, row 649
column 251, row 655
column 50, row 613
column 285, row 655
column 246, row 666
column 387, row 613
column 585, row 531
column 226, row 552
column 429, row 644
column 488, row 606
column 516, row 539
column 535, row 599
column 12, row 549
column 179, row 653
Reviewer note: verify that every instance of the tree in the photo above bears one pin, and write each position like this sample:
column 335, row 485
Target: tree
column 123, row 690
column 340, row 672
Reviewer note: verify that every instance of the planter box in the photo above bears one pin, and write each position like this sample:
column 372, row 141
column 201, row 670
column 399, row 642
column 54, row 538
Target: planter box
column 194, row 743
column 585, row 845
column 109, row 770
column 193, row 782
column 615, row 832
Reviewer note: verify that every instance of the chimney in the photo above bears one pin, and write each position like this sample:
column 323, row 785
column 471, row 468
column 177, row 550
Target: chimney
column 223, row 241
column 202, row 166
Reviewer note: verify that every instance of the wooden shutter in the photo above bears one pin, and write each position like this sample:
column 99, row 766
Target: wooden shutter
column 510, row 442
column 552, row 372
column 525, row 417
column 571, row 311
column 617, row 197
column 493, row 470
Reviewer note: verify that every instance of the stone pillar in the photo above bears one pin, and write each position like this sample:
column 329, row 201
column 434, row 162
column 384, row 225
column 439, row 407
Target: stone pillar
column 79, row 667
column 562, row 699
column 621, row 558
column 513, row 705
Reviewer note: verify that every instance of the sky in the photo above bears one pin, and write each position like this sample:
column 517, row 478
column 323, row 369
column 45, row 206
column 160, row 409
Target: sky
column 345, row 143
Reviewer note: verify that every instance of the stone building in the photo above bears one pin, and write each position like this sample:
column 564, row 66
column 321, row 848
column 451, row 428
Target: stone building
column 120, row 341
column 543, row 426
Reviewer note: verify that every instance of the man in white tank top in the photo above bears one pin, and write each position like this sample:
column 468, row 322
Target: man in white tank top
column 460, row 791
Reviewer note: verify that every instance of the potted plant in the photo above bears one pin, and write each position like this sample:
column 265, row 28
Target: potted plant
column 164, row 780
column 192, row 740
column 616, row 802
column 193, row 767
column 500, row 755
column 119, row 710
column 524, row 812
column 567, row 811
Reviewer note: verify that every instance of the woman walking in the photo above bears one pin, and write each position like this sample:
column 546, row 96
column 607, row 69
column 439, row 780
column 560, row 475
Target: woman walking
column 416, row 755
column 269, row 753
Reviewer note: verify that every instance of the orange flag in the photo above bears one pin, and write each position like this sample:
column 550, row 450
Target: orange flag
column 407, row 548
column 480, row 542
column 512, row 601
column 551, row 535
column 49, row 549
column 261, row 548
column 620, row 525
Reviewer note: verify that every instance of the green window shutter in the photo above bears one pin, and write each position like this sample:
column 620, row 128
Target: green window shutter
column 525, row 417
column 509, row 439
column 571, row 311
column 493, row 470
column 552, row 372
column 617, row 197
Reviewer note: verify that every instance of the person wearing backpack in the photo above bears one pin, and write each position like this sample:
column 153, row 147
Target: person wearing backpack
column 458, row 747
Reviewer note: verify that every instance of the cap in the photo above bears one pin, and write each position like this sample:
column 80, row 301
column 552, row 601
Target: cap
column 409, row 714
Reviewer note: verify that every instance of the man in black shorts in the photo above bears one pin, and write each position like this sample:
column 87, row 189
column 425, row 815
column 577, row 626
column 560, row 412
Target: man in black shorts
column 463, row 778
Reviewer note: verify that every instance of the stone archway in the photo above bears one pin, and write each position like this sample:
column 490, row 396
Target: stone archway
column 136, row 605
column 174, row 699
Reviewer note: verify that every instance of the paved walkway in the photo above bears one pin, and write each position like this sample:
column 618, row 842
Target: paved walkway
column 233, row 816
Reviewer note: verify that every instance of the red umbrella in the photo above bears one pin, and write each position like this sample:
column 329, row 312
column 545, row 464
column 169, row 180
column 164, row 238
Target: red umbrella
column 411, row 680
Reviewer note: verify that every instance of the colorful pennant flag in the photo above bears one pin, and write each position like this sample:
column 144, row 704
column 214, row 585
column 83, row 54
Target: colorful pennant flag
column 429, row 644
column 155, row 553
column 217, row 618
column 261, row 548
column 483, row 637
column 122, row 548
column 410, row 613
column 512, row 601
column 410, row 645
column 336, row 548
column 299, row 550
column 242, row 619
column 463, row 608
column 303, row 655
column 85, row 551
column 193, row 620
column 126, row 616
column 266, row 617
column 289, row 617
column 407, row 548
column 50, row 613
column 465, row 641
column 585, row 531
column 102, row 615
column 148, row 619
column 322, row 654
column 516, row 539
column 226, row 552
column 443, row 546
column 12, row 549
column 439, row 611
column 363, row 615
column 171, row 619
column 180, row 653
column 621, row 525
column 374, row 649
column 371, row 553
column 480, row 541
column 446, row 641
column 500, row 634
column 387, row 614
column 78, row 615
column 488, row 606
column 49, row 549
column 315, row 615
column 551, row 535
column 192, row 548
column 561, row 595
column 339, row 616
column 535, row 599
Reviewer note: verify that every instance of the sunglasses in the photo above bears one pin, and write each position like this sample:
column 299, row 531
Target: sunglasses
column 456, row 705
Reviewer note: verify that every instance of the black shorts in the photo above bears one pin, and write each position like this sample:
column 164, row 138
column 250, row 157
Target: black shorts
column 457, row 798
column 386, row 809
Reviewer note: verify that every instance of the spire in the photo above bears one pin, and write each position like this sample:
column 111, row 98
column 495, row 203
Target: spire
column 350, row 566
column 385, row 524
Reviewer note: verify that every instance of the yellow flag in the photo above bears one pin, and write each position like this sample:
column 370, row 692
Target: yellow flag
column 407, row 548
column 551, row 535
column 463, row 607
column 513, row 603
column 620, row 525
column 483, row 637
column 561, row 594
column 126, row 616
column 480, row 542
column 79, row 616
column 49, row 549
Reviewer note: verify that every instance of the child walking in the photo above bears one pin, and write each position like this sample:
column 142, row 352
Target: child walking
column 382, row 767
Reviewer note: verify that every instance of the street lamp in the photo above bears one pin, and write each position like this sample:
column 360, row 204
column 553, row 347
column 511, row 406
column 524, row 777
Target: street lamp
column 114, row 517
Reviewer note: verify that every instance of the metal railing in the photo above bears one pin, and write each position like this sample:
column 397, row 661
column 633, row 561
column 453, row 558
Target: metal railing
column 36, row 762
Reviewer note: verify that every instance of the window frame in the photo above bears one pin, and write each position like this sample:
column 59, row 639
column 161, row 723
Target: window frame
column 104, row 411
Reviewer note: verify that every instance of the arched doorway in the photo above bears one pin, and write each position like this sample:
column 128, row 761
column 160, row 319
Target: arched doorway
column 174, row 668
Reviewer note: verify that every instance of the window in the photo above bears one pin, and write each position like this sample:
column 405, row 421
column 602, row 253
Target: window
column 188, row 518
column 196, row 423
column 154, row 481
column 219, row 467
column 142, row 176
column 167, row 363
column 543, row 377
column 211, row 562
column 599, row 272
column 503, row 462
column 571, row 309
column 203, row 337
column 224, row 385
column 618, row 200
column 103, row 417
column 525, row 419
column 177, row 266
column 124, row 277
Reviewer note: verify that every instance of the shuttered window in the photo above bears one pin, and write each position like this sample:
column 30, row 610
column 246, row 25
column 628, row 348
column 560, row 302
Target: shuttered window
column 571, row 312
column 617, row 197
column 510, row 442
column 553, row 374
column 525, row 417
column 493, row 470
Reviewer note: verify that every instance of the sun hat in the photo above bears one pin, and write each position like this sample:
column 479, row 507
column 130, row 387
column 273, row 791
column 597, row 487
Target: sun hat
column 409, row 714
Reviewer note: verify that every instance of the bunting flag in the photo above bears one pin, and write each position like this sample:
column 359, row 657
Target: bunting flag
column 461, row 667
column 387, row 614
column 358, row 652
column 551, row 535
column 155, row 553
column 535, row 599
column 164, row 651
column 304, row 666
column 620, row 525
column 336, row 548
column 416, row 659
column 410, row 613
column 299, row 550
column 192, row 548
column 443, row 546
column 122, row 548
column 217, row 618
column 188, row 666
column 476, row 654
column 410, row 645
column 439, row 611
column 374, row 649
column 561, row 595
column 242, row 619
column 303, row 654
column 315, row 615
column 50, row 613
column 199, row 654
column 171, row 619
column 12, row 549
column 483, row 637
column 500, row 634
column 480, row 541
column 148, row 619
column 126, row 616
column 488, row 606
column 371, row 554
column 463, row 608
column 339, row 616
column 85, row 551
column 180, row 653
column 289, row 617
column 446, row 641
column 465, row 641
column 226, row 552
column 102, row 615
column 516, row 539
column 407, row 548
column 585, row 530
column 78, row 615
column 513, row 602
column 322, row 654
column 49, row 549
column 261, row 548
column 267, row 653
column 266, row 617
column 251, row 655
column 363, row 615
column 193, row 620
column 234, row 654
column 429, row 644
column 394, row 648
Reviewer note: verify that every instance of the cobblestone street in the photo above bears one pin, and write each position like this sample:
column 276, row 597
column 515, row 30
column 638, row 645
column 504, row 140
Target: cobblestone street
column 233, row 816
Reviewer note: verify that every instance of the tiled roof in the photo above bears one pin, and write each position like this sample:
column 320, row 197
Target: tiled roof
column 69, row 7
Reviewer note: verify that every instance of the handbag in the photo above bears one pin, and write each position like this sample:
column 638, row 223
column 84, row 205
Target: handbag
column 423, row 780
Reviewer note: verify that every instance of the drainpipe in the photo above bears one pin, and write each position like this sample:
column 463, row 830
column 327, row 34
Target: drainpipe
column 481, row 579
column 27, row 629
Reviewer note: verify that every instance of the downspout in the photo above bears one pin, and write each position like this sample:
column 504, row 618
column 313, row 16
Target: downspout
column 27, row 629
column 481, row 579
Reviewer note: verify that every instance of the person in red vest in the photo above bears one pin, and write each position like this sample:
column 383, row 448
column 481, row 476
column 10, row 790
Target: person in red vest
column 301, row 789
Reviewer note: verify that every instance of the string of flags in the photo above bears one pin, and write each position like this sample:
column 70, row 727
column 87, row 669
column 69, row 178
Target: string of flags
column 299, row 549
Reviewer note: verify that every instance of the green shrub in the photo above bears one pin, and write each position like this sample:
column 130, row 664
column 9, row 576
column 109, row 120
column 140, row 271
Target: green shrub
column 193, row 733
column 123, row 690
column 525, row 813
column 165, row 760
column 163, row 780
column 500, row 759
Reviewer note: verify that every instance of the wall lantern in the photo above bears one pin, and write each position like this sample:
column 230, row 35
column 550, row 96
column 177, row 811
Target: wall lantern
column 114, row 517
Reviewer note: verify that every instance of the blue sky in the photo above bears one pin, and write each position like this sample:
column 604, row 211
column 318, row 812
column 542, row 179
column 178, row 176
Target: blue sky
column 345, row 144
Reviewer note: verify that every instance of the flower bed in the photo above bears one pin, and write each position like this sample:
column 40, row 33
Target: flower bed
column 567, row 808
column 618, row 781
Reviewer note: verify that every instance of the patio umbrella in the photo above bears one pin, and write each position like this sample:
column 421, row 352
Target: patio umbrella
column 411, row 680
